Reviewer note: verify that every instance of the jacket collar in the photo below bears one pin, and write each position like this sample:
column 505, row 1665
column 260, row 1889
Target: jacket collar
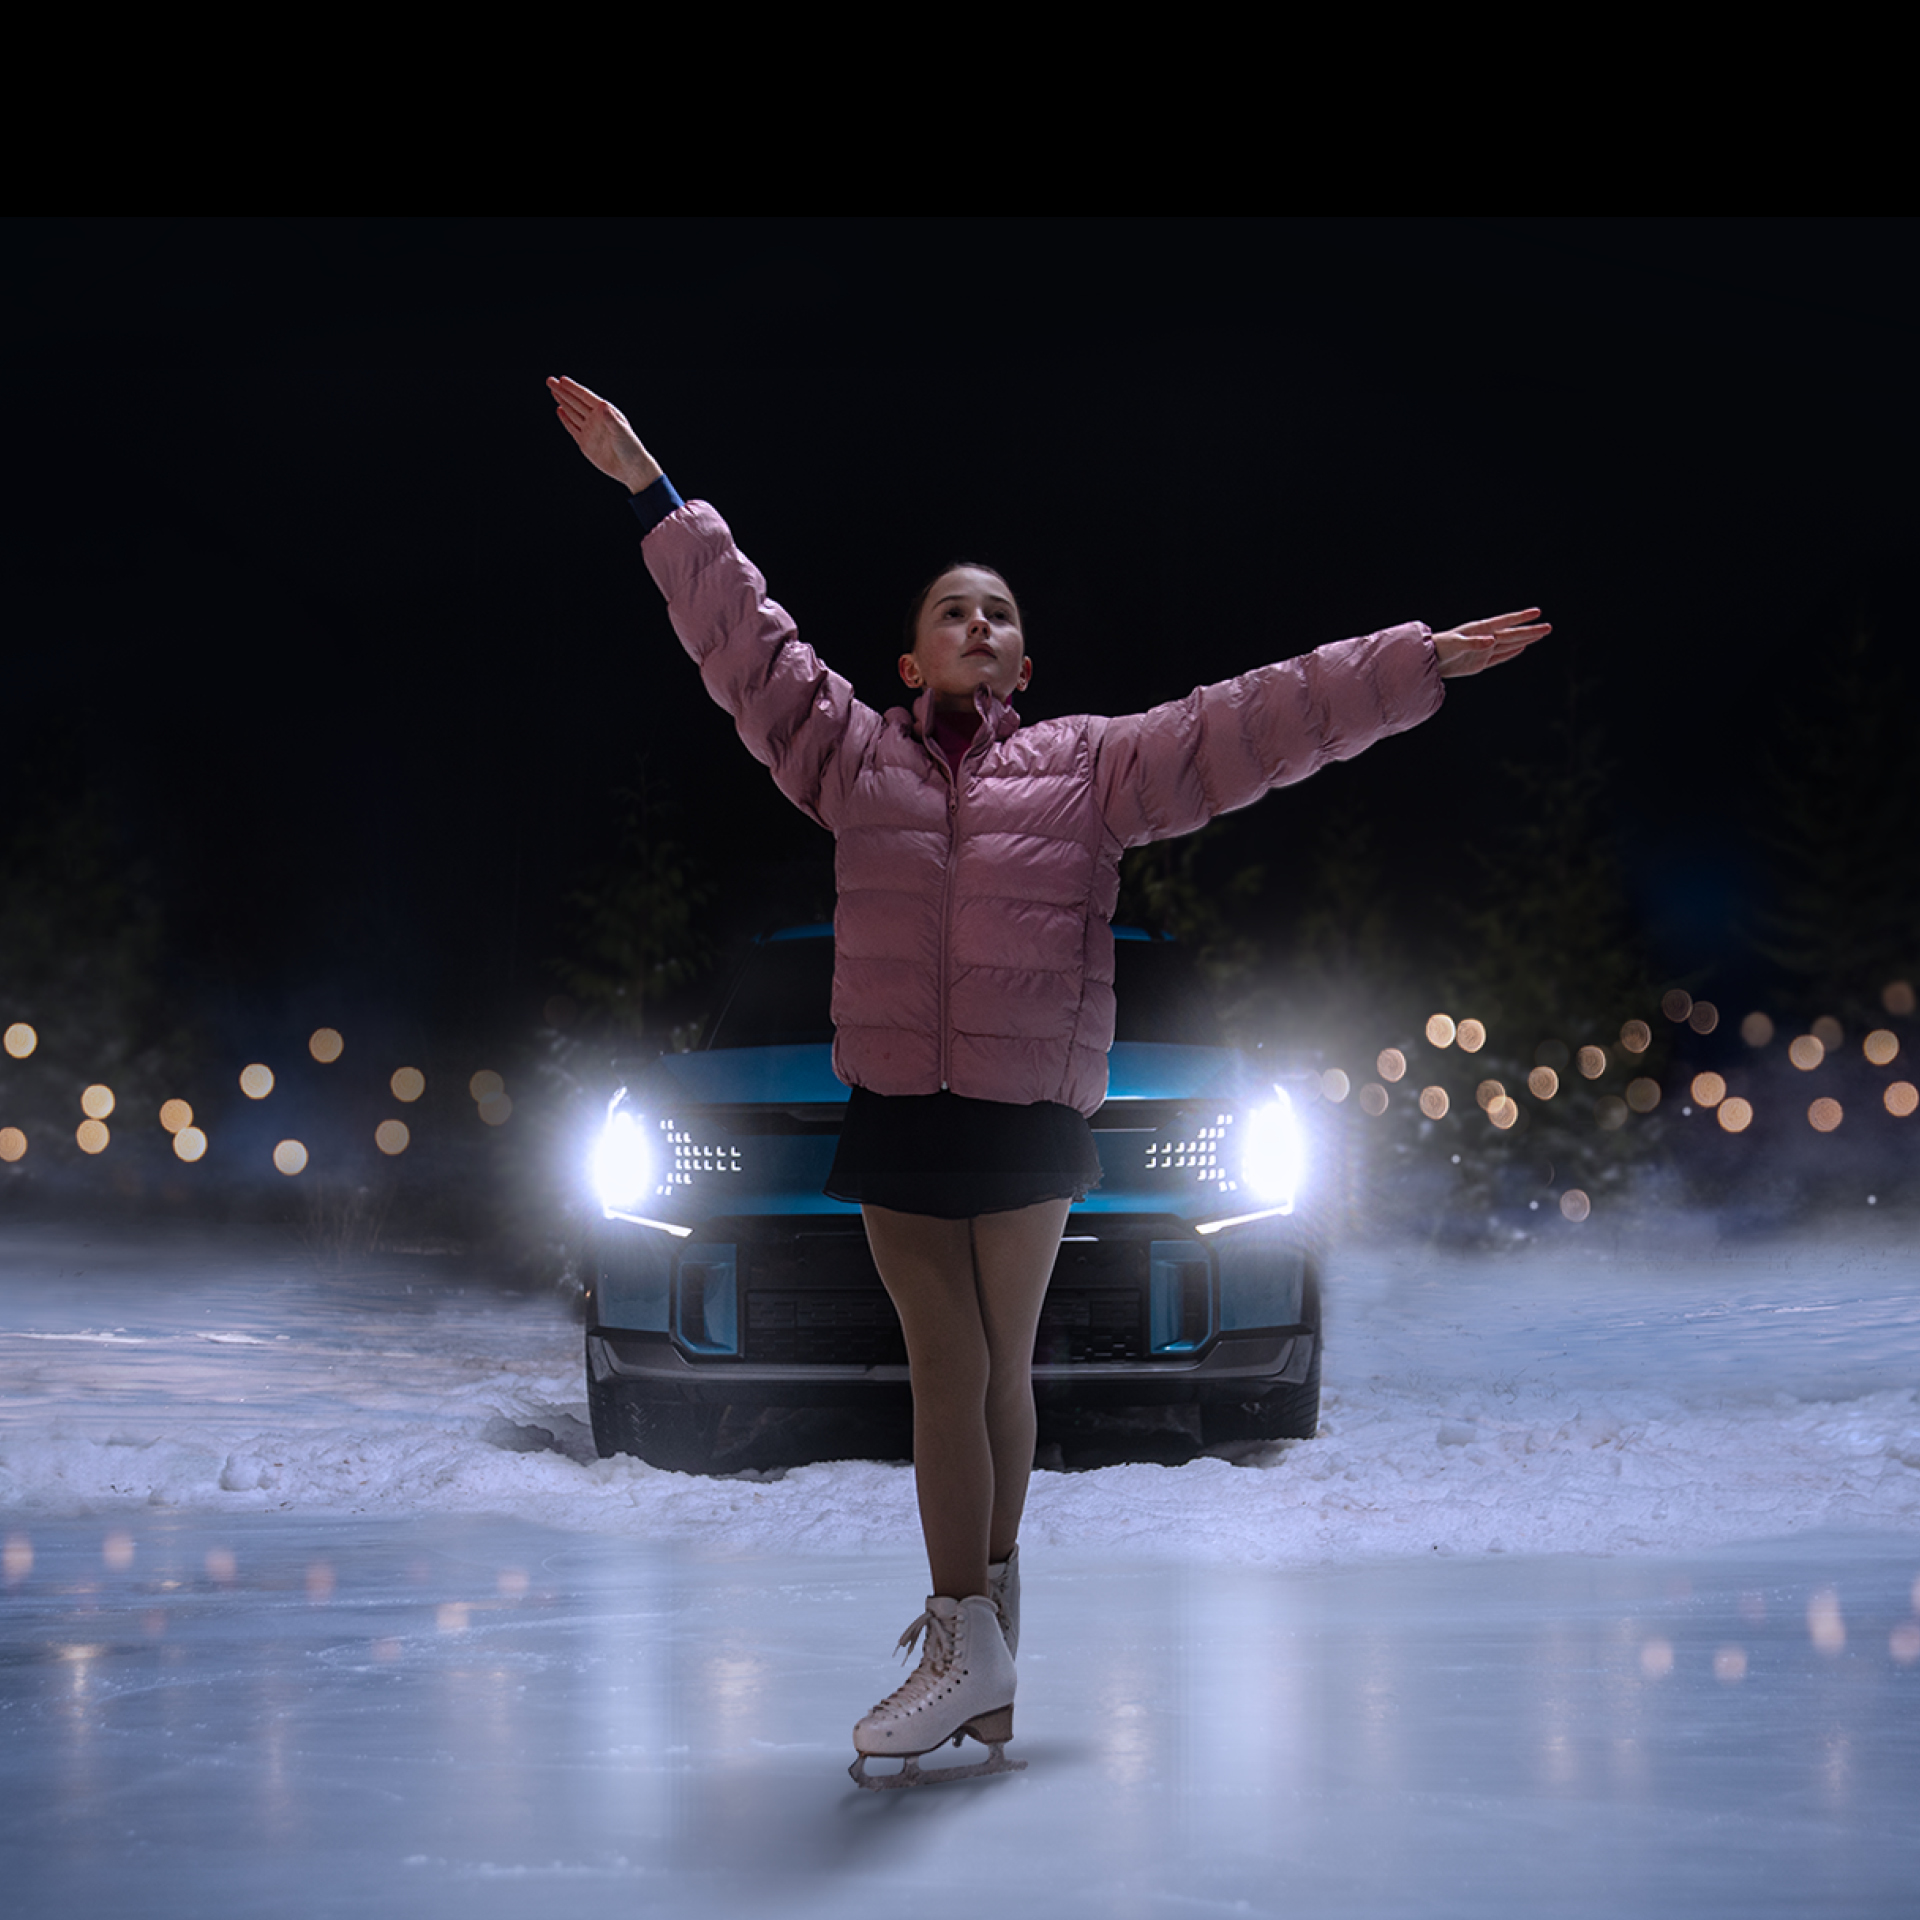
column 997, row 717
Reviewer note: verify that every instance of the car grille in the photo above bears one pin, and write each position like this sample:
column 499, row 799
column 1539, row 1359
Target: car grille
column 815, row 1300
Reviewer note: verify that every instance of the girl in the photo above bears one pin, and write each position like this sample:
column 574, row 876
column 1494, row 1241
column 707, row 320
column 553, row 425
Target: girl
column 977, row 865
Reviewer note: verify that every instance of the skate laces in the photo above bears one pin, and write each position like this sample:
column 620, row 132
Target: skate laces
column 905, row 1644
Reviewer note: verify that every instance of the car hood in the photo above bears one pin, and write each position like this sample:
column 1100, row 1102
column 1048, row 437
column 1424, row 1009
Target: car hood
column 803, row 1076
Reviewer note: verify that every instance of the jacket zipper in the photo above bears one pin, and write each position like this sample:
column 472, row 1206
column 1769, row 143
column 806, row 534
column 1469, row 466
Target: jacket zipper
column 946, row 885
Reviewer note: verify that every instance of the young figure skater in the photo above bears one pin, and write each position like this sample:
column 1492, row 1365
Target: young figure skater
column 977, row 865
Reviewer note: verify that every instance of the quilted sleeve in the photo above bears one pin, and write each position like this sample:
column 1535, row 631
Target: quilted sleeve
column 1171, row 770
column 797, row 718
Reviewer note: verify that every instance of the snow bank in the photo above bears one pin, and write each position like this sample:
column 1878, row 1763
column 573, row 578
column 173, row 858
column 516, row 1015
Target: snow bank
column 1653, row 1401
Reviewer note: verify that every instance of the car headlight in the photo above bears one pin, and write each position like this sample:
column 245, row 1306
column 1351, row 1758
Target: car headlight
column 1272, row 1153
column 622, row 1163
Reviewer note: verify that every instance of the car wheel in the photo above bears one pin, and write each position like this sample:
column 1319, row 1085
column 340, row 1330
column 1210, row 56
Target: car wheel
column 1285, row 1412
column 664, row 1434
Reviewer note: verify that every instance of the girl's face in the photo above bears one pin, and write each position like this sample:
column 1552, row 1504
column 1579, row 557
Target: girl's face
column 967, row 636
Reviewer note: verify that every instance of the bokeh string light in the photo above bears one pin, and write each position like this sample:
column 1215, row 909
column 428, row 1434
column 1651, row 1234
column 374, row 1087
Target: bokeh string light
column 1704, row 1017
column 1707, row 1090
column 290, row 1157
column 1643, row 1094
column 1828, row 1031
column 92, row 1136
column 1676, row 1004
column 1636, row 1036
column 408, row 1084
column 1734, row 1114
column 13, row 1143
column 1897, row 997
column 391, row 1136
column 325, row 1045
column 1824, row 1115
column 1433, row 1102
column 1543, row 1083
column 1900, row 1100
column 1334, row 1085
column 1881, row 1047
column 1391, row 1065
column 1373, row 1099
column 20, row 1040
column 189, row 1143
column 1592, row 1062
column 256, row 1081
column 1439, row 1030
column 1757, row 1029
column 1470, row 1036
column 1807, row 1051
column 175, row 1114
column 97, row 1102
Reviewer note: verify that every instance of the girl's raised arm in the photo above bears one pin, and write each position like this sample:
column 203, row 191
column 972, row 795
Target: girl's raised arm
column 602, row 432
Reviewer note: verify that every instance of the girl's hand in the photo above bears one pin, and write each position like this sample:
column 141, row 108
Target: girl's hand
column 601, row 432
column 1480, row 644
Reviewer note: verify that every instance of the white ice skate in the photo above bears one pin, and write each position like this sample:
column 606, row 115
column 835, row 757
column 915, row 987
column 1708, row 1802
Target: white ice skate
column 1003, row 1589
column 962, row 1687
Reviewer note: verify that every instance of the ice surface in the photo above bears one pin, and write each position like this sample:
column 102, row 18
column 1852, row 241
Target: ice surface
column 266, row 1714
column 315, row 1601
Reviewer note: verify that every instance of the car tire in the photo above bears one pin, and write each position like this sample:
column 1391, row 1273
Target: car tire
column 663, row 1433
column 1285, row 1412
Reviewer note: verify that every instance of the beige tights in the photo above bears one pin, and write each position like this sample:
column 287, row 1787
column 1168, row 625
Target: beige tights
column 968, row 1293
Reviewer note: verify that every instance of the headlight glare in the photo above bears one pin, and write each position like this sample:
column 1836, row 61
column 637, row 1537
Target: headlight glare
column 622, row 1165
column 1272, row 1157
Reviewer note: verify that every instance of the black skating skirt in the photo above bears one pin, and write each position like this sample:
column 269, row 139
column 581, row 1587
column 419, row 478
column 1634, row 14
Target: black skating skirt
column 952, row 1158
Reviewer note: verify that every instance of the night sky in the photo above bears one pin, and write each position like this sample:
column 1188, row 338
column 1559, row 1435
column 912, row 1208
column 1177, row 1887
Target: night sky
column 315, row 600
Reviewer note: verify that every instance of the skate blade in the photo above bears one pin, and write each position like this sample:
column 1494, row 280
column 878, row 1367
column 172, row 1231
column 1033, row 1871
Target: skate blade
column 913, row 1774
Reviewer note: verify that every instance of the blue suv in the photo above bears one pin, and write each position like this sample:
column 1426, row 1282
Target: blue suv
column 719, row 1274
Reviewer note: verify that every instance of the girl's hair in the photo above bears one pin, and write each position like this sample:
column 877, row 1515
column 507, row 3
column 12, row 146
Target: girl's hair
column 919, row 603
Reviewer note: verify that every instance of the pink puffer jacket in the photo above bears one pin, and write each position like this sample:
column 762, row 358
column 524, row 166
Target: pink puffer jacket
column 972, row 942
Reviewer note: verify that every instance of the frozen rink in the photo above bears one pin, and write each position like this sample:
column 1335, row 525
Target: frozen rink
column 1597, row 1596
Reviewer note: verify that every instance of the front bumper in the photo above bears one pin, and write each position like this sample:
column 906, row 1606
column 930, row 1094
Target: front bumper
column 779, row 1310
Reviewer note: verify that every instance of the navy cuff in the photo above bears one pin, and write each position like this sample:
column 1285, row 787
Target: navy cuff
column 652, row 504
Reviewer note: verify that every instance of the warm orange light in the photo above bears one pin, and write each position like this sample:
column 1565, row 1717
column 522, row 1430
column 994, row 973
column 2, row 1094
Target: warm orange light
column 325, row 1045
column 97, row 1102
column 1503, row 1113
column 1901, row 1099
column 1488, row 1091
column 1392, row 1064
column 1433, row 1102
column 256, row 1081
column 13, row 1143
column 1439, row 1030
column 1881, row 1047
column 290, row 1157
column 1636, row 1036
column 1824, row 1115
column 175, row 1114
column 189, row 1143
column 1756, row 1029
column 1543, row 1083
column 1704, row 1017
column 1373, row 1099
column 1828, row 1032
column 1898, row 998
column 1708, row 1089
column 1735, row 1114
column 391, row 1136
column 485, row 1084
column 1676, row 1003
column 1610, row 1111
column 20, row 1040
column 1470, row 1036
column 1574, row 1204
column 1643, row 1095
column 92, row 1136
column 1334, row 1085
column 408, row 1084
column 1807, row 1052
column 1592, row 1062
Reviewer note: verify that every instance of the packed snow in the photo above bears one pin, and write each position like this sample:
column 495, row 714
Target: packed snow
column 1657, row 1392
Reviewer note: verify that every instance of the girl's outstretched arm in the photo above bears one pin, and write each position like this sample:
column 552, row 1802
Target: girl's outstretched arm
column 602, row 432
column 1480, row 644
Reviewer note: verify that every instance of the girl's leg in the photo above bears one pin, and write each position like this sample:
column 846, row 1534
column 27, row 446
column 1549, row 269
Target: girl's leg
column 968, row 1294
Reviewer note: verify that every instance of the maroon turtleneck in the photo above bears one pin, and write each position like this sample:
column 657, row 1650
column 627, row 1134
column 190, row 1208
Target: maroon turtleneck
column 953, row 734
